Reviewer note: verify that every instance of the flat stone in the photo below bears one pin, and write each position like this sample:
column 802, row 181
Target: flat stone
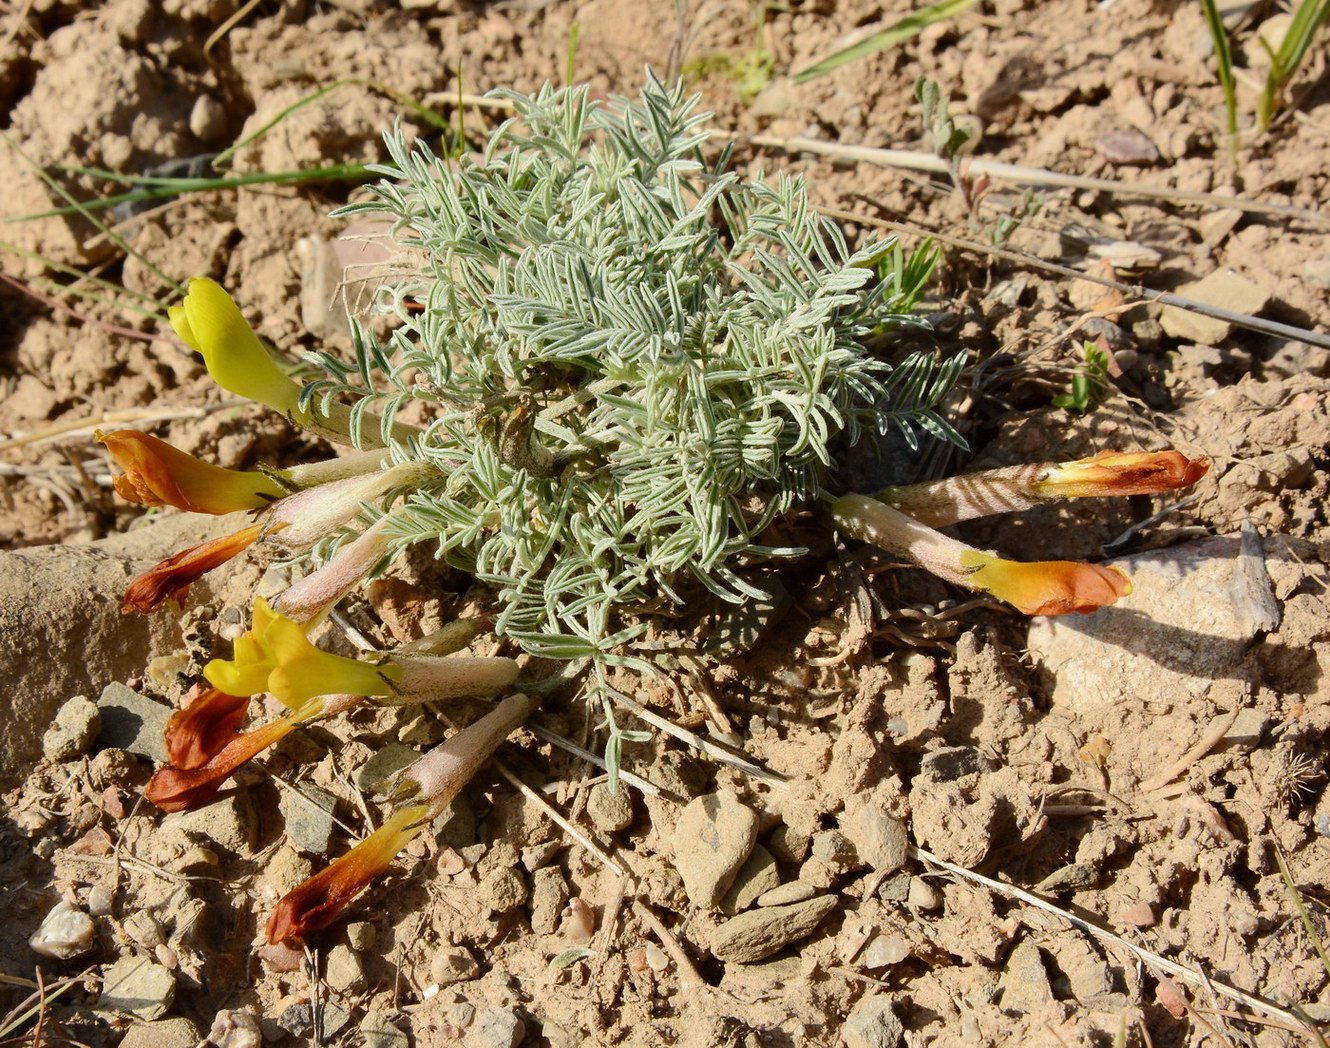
column 873, row 1024
column 308, row 814
column 757, row 875
column 757, row 934
column 138, row 986
column 378, row 1031
column 1223, row 288
column 784, row 894
column 1024, row 983
column 53, row 595
column 951, row 763
column 330, row 1018
column 1246, row 731
column 176, row 1032
column 495, row 1028
column 384, row 763
column 1188, row 622
column 610, row 810
column 65, row 932
column 880, row 840
column 549, row 892
column 343, row 970
column 228, row 822
column 76, row 726
column 712, row 839
column 133, row 722
column 1074, row 877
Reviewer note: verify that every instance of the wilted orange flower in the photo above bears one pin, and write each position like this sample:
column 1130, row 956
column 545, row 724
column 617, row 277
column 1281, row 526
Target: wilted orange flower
column 316, row 903
column 180, row 789
column 202, row 728
column 157, row 474
column 1046, row 587
column 171, row 579
column 1138, row 473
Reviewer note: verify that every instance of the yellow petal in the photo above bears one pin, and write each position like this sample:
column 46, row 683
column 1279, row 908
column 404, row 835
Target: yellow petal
column 1046, row 587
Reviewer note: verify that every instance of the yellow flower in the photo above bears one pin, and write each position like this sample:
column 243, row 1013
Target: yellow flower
column 157, row 474
column 1045, row 587
column 316, row 903
column 210, row 323
column 276, row 656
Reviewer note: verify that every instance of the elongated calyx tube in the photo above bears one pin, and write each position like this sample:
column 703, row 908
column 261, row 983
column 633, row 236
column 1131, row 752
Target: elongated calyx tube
column 425, row 789
column 938, row 503
column 1051, row 587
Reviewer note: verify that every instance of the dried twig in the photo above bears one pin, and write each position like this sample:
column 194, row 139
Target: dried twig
column 70, row 427
column 1218, row 729
column 1173, row 968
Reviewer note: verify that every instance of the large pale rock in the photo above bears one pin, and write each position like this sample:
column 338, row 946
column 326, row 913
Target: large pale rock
column 1188, row 622
column 61, row 630
column 712, row 840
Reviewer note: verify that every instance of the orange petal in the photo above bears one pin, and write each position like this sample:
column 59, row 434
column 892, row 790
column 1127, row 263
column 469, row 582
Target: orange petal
column 1143, row 473
column 180, row 789
column 157, row 474
column 202, row 729
column 316, row 903
column 171, row 579
column 1047, row 587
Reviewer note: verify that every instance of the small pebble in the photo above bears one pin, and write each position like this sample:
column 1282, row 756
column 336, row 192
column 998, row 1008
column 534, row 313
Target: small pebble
column 784, row 894
column 1128, row 146
column 757, row 934
column 64, row 933
column 495, row 1028
column 453, row 964
column 504, row 890
column 344, row 971
column 610, row 810
column 873, row 1024
column 176, row 1032
column 883, row 951
column 361, row 935
column 923, row 895
column 378, row 1031
column 76, row 725
column 235, row 1029
column 207, row 120
column 138, row 986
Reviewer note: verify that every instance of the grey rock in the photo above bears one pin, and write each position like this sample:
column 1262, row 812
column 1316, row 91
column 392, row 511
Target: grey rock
column 757, row 934
column 610, row 810
column 1074, row 877
column 378, row 1031
column 503, row 890
column 329, row 1019
column 228, row 822
column 873, row 1024
column 308, row 813
column 65, row 932
column 297, row 1019
column 713, row 837
column 133, row 722
column 344, row 971
column 784, row 894
column 1187, row 624
column 1126, row 146
column 64, row 633
column 1223, row 288
column 138, row 986
column 757, row 875
column 549, row 892
column 1024, row 983
column 495, row 1028
column 176, row 1032
column 954, row 762
column 836, row 850
column 384, row 763
column 76, row 726
column 880, row 840
column 1246, row 732
column 462, row 1014
column 537, row 855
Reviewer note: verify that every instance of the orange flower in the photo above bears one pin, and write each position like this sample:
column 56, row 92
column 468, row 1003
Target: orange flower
column 204, row 726
column 157, row 474
column 171, row 579
column 1046, row 587
column 181, row 789
column 1109, row 473
column 316, row 903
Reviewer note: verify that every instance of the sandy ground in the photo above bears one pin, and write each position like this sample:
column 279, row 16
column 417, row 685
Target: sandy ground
column 1143, row 769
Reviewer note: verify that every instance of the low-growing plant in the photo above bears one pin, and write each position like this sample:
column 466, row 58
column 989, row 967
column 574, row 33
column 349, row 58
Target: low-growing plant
column 631, row 363
column 1087, row 384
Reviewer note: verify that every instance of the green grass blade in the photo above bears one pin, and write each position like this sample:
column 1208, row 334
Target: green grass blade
column 910, row 25
column 337, row 172
column 96, row 281
column 1224, row 56
column 423, row 111
column 1309, row 17
column 86, row 211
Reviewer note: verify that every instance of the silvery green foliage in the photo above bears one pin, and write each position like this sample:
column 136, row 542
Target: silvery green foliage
column 638, row 362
